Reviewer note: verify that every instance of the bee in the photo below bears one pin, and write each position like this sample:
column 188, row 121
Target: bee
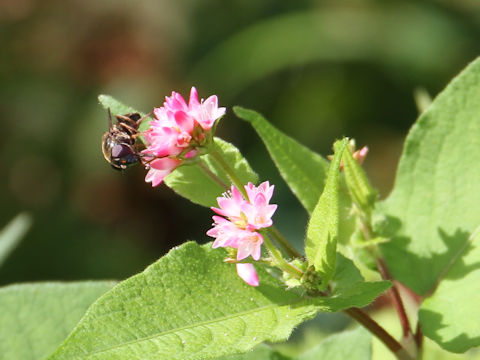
column 119, row 145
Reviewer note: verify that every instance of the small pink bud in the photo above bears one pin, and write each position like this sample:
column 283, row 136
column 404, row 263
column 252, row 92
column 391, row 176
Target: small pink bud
column 248, row 274
column 360, row 155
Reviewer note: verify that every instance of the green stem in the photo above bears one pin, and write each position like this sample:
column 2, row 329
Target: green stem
column 283, row 242
column 368, row 233
column 228, row 169
column 215, row 178
column 279, row 260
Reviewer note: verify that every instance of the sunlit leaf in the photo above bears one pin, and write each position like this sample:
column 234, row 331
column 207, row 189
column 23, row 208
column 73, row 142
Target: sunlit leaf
column 194, row 183
column 303, row 170
column 450, row 316
column 261, row 352
column 357, row 182
column 435, row 207
column 192, row 305
column 322, row 231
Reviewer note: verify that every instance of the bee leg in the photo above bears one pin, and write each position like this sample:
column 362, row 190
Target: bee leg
column 146, row 162
column 129, row 128
column 134, row 136
column 125, row 119
column 139, row 121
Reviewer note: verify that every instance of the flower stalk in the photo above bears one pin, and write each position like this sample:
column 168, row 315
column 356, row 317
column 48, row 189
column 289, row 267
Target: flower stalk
column 227, row 168
column 279, row 261
column 393, row 345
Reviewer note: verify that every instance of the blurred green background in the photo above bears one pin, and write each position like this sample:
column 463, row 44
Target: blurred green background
column 317, row 69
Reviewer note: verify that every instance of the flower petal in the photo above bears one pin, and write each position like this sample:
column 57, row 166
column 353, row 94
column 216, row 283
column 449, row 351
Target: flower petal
column 248, row 274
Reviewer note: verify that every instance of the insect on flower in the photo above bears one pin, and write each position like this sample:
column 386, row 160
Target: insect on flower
column 119, row 145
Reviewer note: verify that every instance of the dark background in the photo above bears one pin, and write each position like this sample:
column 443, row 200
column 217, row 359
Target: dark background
column 317, row 69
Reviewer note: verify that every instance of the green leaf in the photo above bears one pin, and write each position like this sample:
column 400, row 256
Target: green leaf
column 450, row 317
column 435, row 203
column 36, row 318
column 12, row 234
column 303, row 170
column 261, row 352
column 352, row 345
column 434, row 210
column 349, row 288
column 322, row 231
column 357, row 182
column 191, row 182
column 192, row 305
column 388, row 318
column 117, row 107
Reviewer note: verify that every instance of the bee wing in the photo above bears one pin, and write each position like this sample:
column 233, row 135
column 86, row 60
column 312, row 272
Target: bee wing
column 107, row 147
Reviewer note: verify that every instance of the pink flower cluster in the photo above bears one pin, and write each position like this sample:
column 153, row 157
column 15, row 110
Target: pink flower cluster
column 177, row 132
column 238, row 228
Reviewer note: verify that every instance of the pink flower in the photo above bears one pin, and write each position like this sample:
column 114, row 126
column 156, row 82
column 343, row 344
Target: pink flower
column 225, row 233
column 231, row 204
column 159, row 169
column 360, row 155
column 245, row 216
column 177, row 132
column 249, row 243
column 258, row 211
column 248, row 274
column 264, row 188
column 205, row 112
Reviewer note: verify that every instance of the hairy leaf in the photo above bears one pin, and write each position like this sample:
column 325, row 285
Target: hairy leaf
column 435, row 203
column 116, row 107
column 322, row 231
column 36, row 318
column 450, row 316
column 192, row 305
column 357, row 182
column 261, row 352
column 303, row 170
column 435, row 206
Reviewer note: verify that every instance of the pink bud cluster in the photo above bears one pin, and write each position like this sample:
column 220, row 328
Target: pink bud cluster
column 177, row 132
column 242, row 218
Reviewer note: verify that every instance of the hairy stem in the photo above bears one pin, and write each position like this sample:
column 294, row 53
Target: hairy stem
column 283, row 242
column 280, row 261
column 393, row 345
column 228, row 169
column 209, row 173
column 396, row 299
column 369, row 234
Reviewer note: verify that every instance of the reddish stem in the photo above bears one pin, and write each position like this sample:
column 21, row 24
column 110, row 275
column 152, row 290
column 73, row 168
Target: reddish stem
column 393, row 345
column 396, row 299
